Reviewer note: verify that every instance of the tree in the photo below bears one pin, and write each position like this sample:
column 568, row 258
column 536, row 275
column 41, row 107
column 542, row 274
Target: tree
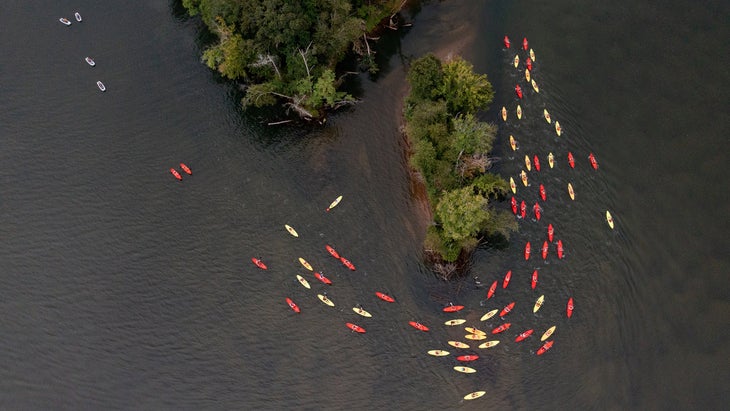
column 462, row 213
column 465, row 91
column 425, row 77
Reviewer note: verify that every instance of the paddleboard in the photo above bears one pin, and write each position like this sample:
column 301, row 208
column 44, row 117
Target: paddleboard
column 532, row 55
column 385, row 297
column 523, row 176
column 512, row 185
column 523, row 335
column 534, row 86
column 545, row 347
column 458, row 321
column 527, row 75
column 475, row 337
column 551, row 160
column 355, row 327
column 325, row 300
column 547, row 333
column 504, row 113
column 438, row 353
column 291, row 304
column 458, row 344
column 472, row 330
column 571, row 193
column 516, row 61
column 489, row 315
column 519, row 112
column 303, row 282
column 334, row 203
column 609, row 218
column 547, row 116
column 474, row 395
column 528, row 163
column 489, row 344
column 466, row 370
column 558, row 129
column 361, row 312
column 291, row 230
column 305, row 264
column 513, row 143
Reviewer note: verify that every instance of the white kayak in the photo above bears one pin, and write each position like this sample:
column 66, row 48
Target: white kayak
column 90, row 61
column 101, row 86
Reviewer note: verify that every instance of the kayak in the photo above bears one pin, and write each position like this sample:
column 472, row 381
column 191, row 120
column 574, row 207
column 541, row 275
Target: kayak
column 560, row 249
column 593, row 161
column 466, row 370
column 493, row 288
column 571, row 193
column 547, row 116
column 513, row 143
column 518, row 90
column 458, row 344
column 489, row 315
column 186, row 169
column 347, row 263
column 303, row 282
column 543, row 193
column 551, row 160
column 90, row 61
column 101, row 85
column 538, row 303
column 571, row 160
column 293, row 306
column 418, row 326
column 516, row 60
column 506, row 310
column 305, row 264
column 519, row 112
column 355, row 327
column 534, row 279
column 453, row 308
column 528, row 163
column 457, row 321
column 551, row 231
column 528, row 62
column 609, row 218
column 467, row 358
column 385, row 297
column 544, row 250
column 547, row 333
column 534, row 86
column 569, row 308
column 523, row 209
column 325, row 300
column 532, row 55
column 322, row 278
column 489, row 344
column 176, row 174
column 334, row 203
column 501, row 328
column 545, row 347
column 78, row 16
column 527, row 74
column 558, row 129
column 474, row 395
column 513, row 203
column 512, row 185
column 536, row 162
column 475, row 337
column 65, row 21
column 524, row 335
column 507, row 277
column 291, row 230
column 504, row 113
column 506, row 42
column 472, row 330
column 524, row 43
column 361, row 312
column 536, row 208
column 523, row 176
column 438, row 353
column 260, row 264
column 332, row 252
column 527, row 251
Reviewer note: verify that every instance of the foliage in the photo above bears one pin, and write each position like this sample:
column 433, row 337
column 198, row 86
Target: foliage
column 426, row 77
column 465, row 91
column 461, row 213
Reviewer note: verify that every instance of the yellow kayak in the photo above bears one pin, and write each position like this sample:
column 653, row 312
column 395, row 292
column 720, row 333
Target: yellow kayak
column 547, row 116
column 609, row 218
column 458, row 321
column 489, row 344
column 527, row 75
column 512, row 185
column 334, row 203
column 291, row 230
column 558, row 129
column 325, row 300
column 532, row 55
column 476, row 337
column 517, row 60
column 489, row 315
column 361, row 312
column 513, row 143
column 474, row 395
column 303, row 282
column 519, row 112
column 551, row 160
column 548, row 333
column 438, row 353
column 534, row 86
column 458, row 344
column 523, row 176
column 538, row 303
column 305, row 264
column 571, row 192
column 473, row 330
column 466, row 370
column 504, row 113
column 528, row 164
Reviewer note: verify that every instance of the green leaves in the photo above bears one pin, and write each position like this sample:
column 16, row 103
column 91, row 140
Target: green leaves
column 462, row 213
column 465, row 91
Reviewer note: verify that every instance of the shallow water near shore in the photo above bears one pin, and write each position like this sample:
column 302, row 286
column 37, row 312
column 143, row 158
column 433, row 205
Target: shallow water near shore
column 122, row 288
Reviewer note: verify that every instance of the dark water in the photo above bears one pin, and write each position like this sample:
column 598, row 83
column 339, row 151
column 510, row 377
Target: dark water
column 121, row 288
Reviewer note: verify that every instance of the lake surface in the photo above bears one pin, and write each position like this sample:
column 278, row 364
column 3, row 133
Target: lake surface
column 122, row 288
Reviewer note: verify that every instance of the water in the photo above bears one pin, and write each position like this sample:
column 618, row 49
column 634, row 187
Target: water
column 122, row 288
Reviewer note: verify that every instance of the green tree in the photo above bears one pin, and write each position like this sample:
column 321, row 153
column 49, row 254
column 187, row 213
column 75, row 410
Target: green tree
column 425, row 76
column 465, row 91
column 461, row 213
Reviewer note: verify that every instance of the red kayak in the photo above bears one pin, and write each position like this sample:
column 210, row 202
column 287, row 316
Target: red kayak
column 527, row 251
column 323, row 279
column 490, row 293
column 507, row 309
column 507, row 277
column 537, row 209
column 571, row 160
column 518, row 90
column 385, row 297
column 536, row 163
column 593, row 161
column 569, row 308
column 355, row 327
column 292, row 305
column 543, row 193
column 523, row 209
column 523, row 335
column 544, row 250
column 176, row 174
column 418, row 325
column 453, row 308
column 260, row 264
column 560, row 249
column 514, row 205
column 545, row 347
column 466, row 358
column 347, row 263
column 501, row 328
column 186, row 169
column 332, row 252
column 524, row 43
column 506, row 42
column 529, row 63
column 551, row 231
